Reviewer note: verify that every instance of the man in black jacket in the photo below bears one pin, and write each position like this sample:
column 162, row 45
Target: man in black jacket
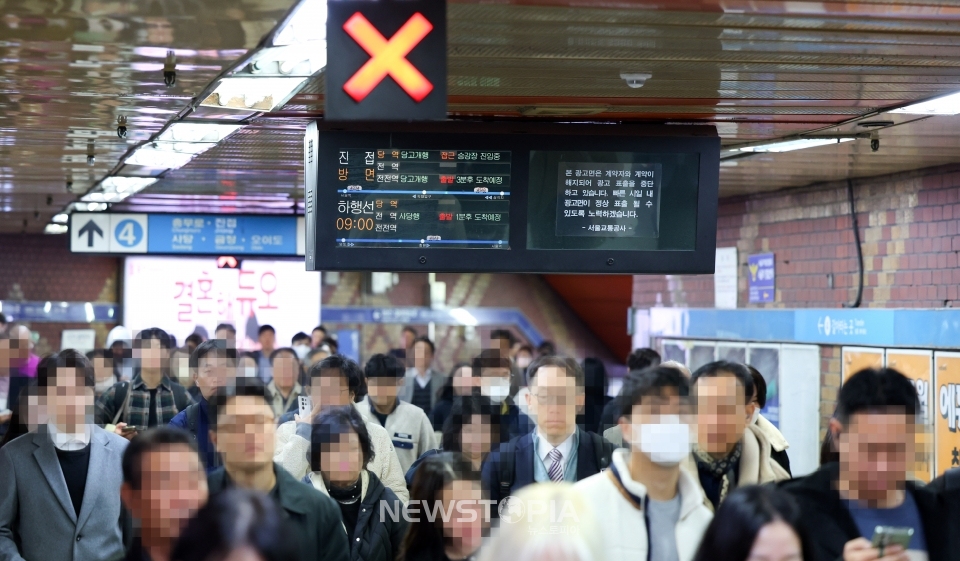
column 244, row 431
column 557, row 449
column 843, row 503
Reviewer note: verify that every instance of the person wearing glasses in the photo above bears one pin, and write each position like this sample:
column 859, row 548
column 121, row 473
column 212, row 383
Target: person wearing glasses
column 557, row 449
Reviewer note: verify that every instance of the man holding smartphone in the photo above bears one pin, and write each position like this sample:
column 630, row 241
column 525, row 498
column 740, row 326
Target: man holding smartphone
column 864, row 507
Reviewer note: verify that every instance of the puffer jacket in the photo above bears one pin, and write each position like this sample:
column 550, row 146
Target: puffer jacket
column 293, row 445
column 380, row 524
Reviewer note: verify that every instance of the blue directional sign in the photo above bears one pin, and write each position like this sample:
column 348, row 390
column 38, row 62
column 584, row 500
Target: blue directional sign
column 128, row 233
column 219, row 234
column 186, row 234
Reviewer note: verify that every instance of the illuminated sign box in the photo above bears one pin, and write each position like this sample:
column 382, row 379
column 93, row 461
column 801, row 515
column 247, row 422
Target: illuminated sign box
column 388, row 60
column 496, row 197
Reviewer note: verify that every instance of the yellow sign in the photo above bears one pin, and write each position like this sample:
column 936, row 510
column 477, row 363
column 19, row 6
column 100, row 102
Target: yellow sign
column 856, row 359
column 947, row 400
column 918, row 365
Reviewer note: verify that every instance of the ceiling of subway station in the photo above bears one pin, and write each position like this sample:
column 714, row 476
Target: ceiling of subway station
column 757, row 69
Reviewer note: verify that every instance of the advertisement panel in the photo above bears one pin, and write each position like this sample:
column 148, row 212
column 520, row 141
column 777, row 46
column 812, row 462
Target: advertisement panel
column 184, row 295
column 947, row 400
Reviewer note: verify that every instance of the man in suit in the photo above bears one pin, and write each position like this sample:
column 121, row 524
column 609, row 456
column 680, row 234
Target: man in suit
column 59, row 486
column 422, row 381
column 557, row 449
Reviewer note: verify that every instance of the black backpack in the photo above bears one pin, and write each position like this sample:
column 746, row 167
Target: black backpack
column 602, row 450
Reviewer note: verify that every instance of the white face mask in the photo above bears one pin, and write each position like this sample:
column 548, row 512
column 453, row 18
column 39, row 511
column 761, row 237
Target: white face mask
column 302, row 351
column 755, row 416
column 523, row 361
column 666, row 443
column 248, row 371
column 497, row 389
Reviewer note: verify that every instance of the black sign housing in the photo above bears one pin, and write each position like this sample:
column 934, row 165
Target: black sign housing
column 511, row 197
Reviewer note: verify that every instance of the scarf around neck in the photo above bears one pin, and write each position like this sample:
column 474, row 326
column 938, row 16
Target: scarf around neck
column 720, row 467
column 345, row 495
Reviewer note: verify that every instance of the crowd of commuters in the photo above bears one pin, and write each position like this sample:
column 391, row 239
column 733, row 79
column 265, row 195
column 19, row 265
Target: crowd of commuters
column 149, row 451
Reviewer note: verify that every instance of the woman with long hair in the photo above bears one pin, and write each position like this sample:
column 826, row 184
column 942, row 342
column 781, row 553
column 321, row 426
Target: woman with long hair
column 756, row 522
column 471, row 429
column 460, row 382
column 448, row 482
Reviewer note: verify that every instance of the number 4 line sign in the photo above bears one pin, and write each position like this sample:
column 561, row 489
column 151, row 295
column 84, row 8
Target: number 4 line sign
column 108, row 233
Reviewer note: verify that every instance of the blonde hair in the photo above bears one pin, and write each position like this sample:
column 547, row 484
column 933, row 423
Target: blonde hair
column 561, row 527
column 682, row 368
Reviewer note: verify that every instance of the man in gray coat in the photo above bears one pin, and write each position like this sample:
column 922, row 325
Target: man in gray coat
column 59, row 488
column 422, row 381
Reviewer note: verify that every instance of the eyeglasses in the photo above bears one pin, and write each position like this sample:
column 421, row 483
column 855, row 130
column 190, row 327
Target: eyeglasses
column 550, row 399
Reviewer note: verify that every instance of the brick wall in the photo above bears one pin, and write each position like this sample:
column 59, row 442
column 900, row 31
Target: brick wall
column 39, row 267
column 908, row 230
column 529, row 293
column 908, row 227
column 831, row 370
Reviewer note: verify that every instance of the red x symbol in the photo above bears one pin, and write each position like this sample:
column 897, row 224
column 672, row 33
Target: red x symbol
column 388, row 57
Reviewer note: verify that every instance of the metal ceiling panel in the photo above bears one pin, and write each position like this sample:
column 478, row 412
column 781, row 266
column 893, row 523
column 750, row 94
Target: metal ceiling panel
column 757, row 69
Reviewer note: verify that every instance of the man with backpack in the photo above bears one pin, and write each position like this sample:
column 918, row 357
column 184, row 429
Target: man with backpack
column 151, row 398
column 215, row 363
column 557, row 449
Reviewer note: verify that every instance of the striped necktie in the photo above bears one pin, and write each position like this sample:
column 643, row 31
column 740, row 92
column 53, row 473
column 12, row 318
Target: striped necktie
column 556, row 468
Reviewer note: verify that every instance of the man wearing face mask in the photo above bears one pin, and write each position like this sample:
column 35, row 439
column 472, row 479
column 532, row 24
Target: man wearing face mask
column 493, row 371
column 730, row 452
column 557, row 450
column 649, row 508
column 301, row 345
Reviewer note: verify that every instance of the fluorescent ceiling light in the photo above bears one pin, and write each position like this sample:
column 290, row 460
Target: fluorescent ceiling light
column 126, row 184
column 308, row 23
column 114, row 189
column 197, row 132
column 191, row 148
column 150, row 157
column 301, row 59
column 86, row 207
column 55, row 229
column 946, row 105
column 790, row 145
column 261, row 94
column 61, row 218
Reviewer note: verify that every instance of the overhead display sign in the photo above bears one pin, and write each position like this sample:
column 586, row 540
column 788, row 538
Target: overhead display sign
column 186, row 234
column 423, row 198
column 548, row 199
column 762, row 278
column 391, row 62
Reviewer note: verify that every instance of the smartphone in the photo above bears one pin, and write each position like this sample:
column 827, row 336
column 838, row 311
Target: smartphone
column 306, row 406
column 133, row 428
column 885, row 536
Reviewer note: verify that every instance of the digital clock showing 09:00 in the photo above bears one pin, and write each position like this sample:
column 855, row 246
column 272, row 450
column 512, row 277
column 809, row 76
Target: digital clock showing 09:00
column 358, row 223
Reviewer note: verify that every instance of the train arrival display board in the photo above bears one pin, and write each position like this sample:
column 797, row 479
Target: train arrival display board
column 492, row 197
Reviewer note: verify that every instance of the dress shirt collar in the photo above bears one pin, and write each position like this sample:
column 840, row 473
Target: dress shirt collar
column 67, row 441
column 544, row 447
